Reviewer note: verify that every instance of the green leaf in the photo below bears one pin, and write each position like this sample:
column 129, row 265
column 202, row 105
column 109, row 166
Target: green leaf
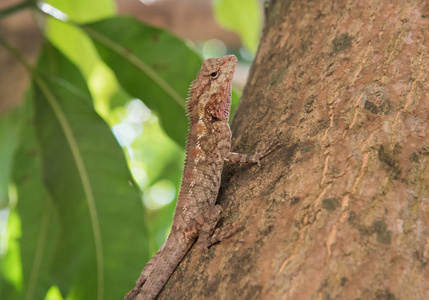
column 78, row 47
column 243, row 17
column 9, row 125
column 72, row 42
column 61, row 70
column 86, row 174
column 150, row 64
column 235, row 98
column 11, row 271
column 35, row 211
column 84, row 10
column 31, row 224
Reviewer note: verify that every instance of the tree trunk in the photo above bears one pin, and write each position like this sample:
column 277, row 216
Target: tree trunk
column 341, row 209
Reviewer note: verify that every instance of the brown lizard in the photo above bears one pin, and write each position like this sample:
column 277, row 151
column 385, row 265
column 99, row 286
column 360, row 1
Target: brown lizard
column 207, row 148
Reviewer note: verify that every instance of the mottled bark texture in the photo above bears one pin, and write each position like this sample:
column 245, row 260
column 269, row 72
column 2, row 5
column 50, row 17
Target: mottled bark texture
column 341, row 209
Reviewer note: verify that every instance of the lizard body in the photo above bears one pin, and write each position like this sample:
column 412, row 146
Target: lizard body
column 207, row 148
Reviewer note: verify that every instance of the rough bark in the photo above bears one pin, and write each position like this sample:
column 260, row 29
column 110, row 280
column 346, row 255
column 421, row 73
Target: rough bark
column 341, row 209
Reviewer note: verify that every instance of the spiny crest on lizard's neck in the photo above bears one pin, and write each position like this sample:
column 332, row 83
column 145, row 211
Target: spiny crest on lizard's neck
column 210, row 92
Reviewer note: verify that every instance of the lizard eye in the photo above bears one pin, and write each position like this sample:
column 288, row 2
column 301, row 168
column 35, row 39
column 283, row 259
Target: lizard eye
column 213, row 75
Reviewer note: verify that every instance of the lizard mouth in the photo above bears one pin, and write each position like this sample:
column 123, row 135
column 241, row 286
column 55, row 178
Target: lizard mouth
column 232, row 62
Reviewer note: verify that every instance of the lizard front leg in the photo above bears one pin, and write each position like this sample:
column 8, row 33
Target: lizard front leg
column 222, row 133
column 208, row 235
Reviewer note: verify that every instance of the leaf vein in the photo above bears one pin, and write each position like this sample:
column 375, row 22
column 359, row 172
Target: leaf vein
column 138, row 63
column 84, row 179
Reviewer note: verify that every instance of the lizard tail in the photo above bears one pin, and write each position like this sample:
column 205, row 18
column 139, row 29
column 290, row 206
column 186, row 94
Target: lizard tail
column 171, row 256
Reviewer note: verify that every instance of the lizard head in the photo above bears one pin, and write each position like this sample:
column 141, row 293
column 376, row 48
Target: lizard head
column 215, row 78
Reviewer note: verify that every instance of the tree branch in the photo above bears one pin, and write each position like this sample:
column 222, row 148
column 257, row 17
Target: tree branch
column 16, row 8
column 16, row 54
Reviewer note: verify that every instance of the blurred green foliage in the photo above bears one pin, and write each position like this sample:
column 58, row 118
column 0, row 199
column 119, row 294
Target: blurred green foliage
column 243, row 17
column 141, row 55
column 81, row 208
column 9, row 130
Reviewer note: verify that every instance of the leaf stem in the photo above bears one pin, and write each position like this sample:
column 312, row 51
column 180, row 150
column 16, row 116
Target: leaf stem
column 16, row 54
column 16, row 8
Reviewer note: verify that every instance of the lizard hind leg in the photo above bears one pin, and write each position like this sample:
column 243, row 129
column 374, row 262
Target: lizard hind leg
column 208, row 234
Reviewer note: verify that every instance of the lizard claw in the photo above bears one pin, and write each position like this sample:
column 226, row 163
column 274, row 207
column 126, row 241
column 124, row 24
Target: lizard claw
column 203, row 247
column 256, row 158
column 268, row 149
